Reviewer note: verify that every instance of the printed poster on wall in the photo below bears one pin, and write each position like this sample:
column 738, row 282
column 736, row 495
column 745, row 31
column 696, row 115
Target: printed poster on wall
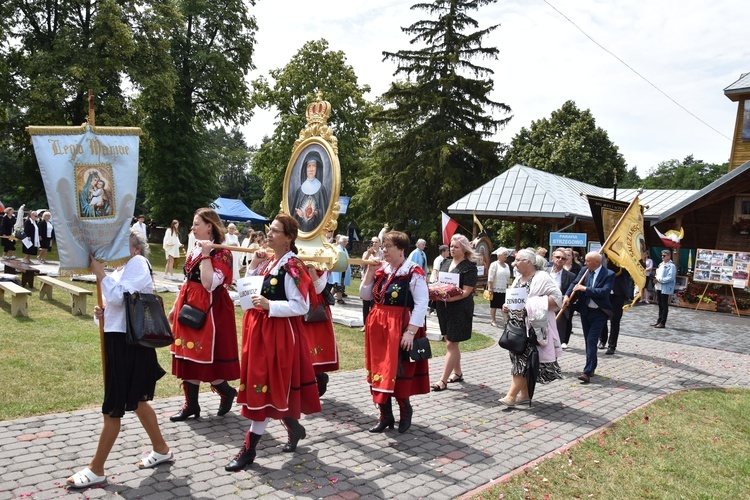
column 722, row 267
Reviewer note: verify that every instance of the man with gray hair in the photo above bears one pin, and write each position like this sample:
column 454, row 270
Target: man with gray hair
column 417, row 255
column 593, row 285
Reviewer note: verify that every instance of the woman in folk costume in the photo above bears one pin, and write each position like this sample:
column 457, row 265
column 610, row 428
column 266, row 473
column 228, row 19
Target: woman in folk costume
column 398, row 289
column 171, row 245
column 320, row 334
column 277, row 378
column 209, row 353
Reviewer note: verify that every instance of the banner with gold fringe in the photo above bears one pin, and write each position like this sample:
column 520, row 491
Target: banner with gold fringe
column 625, row 245
column 90, row 175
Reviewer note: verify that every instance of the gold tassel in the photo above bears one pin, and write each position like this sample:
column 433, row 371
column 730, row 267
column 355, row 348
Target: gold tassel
column 85, row 270
column 80, row 130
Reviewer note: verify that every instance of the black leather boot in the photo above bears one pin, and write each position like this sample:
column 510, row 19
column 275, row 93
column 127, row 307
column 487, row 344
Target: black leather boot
column 406, row 411
column 322, row 379
column 190, row 407
column 246, row 456
column 295, row 430
column 386, row 418
column 227, row 394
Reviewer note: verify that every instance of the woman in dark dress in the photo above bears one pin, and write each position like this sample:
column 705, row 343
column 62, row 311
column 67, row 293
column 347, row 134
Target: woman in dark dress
column 398, row 289
column 6, row 229
column 455, row 314
column 46, row 235
column 32, row 233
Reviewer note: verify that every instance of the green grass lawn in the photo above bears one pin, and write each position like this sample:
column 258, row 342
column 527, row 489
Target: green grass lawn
column 51, row 361
column 691, row 444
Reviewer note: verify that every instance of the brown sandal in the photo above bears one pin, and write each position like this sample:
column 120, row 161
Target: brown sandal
column 437, row 387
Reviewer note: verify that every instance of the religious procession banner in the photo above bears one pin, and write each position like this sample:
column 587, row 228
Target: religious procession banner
column 625, row 245
column 90, row 175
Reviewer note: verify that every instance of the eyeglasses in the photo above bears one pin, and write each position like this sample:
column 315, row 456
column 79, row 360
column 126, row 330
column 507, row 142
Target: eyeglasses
column 522, row 260
column 274, row 230
column 388, row 246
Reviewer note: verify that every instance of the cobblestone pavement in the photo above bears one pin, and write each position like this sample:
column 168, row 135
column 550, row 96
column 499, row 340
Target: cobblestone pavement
column 460, row 440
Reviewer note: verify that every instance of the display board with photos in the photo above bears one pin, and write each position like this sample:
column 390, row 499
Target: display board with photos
column 722, row 267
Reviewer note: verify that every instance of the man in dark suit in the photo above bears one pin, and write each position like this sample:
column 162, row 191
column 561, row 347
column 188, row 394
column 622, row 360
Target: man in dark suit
column 622, row 290
column 563, row 278
column 594, row 306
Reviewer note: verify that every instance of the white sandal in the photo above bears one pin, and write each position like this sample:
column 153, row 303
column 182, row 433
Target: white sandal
column 153, row 459
column 85, row 479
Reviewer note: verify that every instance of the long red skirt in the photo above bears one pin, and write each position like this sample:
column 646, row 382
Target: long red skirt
column 210, row 353
column 322, row 341
column 388, row 373
column 276, row 373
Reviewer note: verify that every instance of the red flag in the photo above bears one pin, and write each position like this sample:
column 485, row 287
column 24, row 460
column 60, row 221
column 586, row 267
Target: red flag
column 672, row 238
column 449, row 228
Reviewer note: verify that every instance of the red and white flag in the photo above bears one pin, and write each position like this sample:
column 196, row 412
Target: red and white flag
column 449, row 228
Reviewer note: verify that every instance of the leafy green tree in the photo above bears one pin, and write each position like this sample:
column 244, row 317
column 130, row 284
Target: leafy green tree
column 314, row 67
column 568, row 144
column 211, row 50
column 439, row 120
column 51, row 53
column 230, row 159
column 686, row 174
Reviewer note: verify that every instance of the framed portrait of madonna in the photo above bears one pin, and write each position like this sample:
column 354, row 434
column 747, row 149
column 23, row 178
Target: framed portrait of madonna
column 311, row 186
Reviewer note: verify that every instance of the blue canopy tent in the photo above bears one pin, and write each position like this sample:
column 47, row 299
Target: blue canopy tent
column 237, row 211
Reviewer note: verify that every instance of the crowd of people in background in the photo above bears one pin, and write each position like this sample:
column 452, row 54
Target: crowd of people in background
column 34, row 234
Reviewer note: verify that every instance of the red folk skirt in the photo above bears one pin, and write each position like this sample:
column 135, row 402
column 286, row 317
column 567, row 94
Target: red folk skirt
column 322, row 341
column 276, row 373
column 211, row 352
column 388, row 374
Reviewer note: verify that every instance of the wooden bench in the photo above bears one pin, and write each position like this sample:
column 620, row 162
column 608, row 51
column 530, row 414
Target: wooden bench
column 19, row 298
column 26, row 271
column 77, row 294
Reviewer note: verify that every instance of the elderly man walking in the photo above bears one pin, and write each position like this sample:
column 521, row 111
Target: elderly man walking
column 594, row 306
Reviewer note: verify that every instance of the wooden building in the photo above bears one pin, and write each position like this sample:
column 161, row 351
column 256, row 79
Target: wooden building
column 739, row 92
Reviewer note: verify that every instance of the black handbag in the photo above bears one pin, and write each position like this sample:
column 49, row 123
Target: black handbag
column 317, row 315
column 146, row 322
column 19, row 234
column 513, row 338
column 192, row 317
column 420, row 349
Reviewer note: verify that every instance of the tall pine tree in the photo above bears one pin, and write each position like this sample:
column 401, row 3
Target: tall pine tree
column 440, row 120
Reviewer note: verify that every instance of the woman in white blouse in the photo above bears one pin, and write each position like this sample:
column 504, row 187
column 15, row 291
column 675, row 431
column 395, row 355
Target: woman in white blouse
column 171, row 245
column 497, row 282
column 131, row 371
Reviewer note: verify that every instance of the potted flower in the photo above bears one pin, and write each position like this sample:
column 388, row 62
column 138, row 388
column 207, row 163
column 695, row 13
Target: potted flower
column 742, row 224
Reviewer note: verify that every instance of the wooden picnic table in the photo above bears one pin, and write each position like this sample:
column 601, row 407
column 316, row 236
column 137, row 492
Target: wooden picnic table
column 26, row 271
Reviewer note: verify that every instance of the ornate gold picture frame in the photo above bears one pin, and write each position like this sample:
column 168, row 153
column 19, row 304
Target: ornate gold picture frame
column 311, row 186
column 313, row 176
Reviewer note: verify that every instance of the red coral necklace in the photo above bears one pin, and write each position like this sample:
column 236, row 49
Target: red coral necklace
column 378, row 291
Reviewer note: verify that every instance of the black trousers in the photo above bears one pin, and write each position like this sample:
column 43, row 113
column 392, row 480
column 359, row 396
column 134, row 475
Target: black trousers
column 662, row 299
column 618, row 301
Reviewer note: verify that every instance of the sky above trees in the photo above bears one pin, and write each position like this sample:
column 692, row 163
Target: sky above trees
column 690, row 49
